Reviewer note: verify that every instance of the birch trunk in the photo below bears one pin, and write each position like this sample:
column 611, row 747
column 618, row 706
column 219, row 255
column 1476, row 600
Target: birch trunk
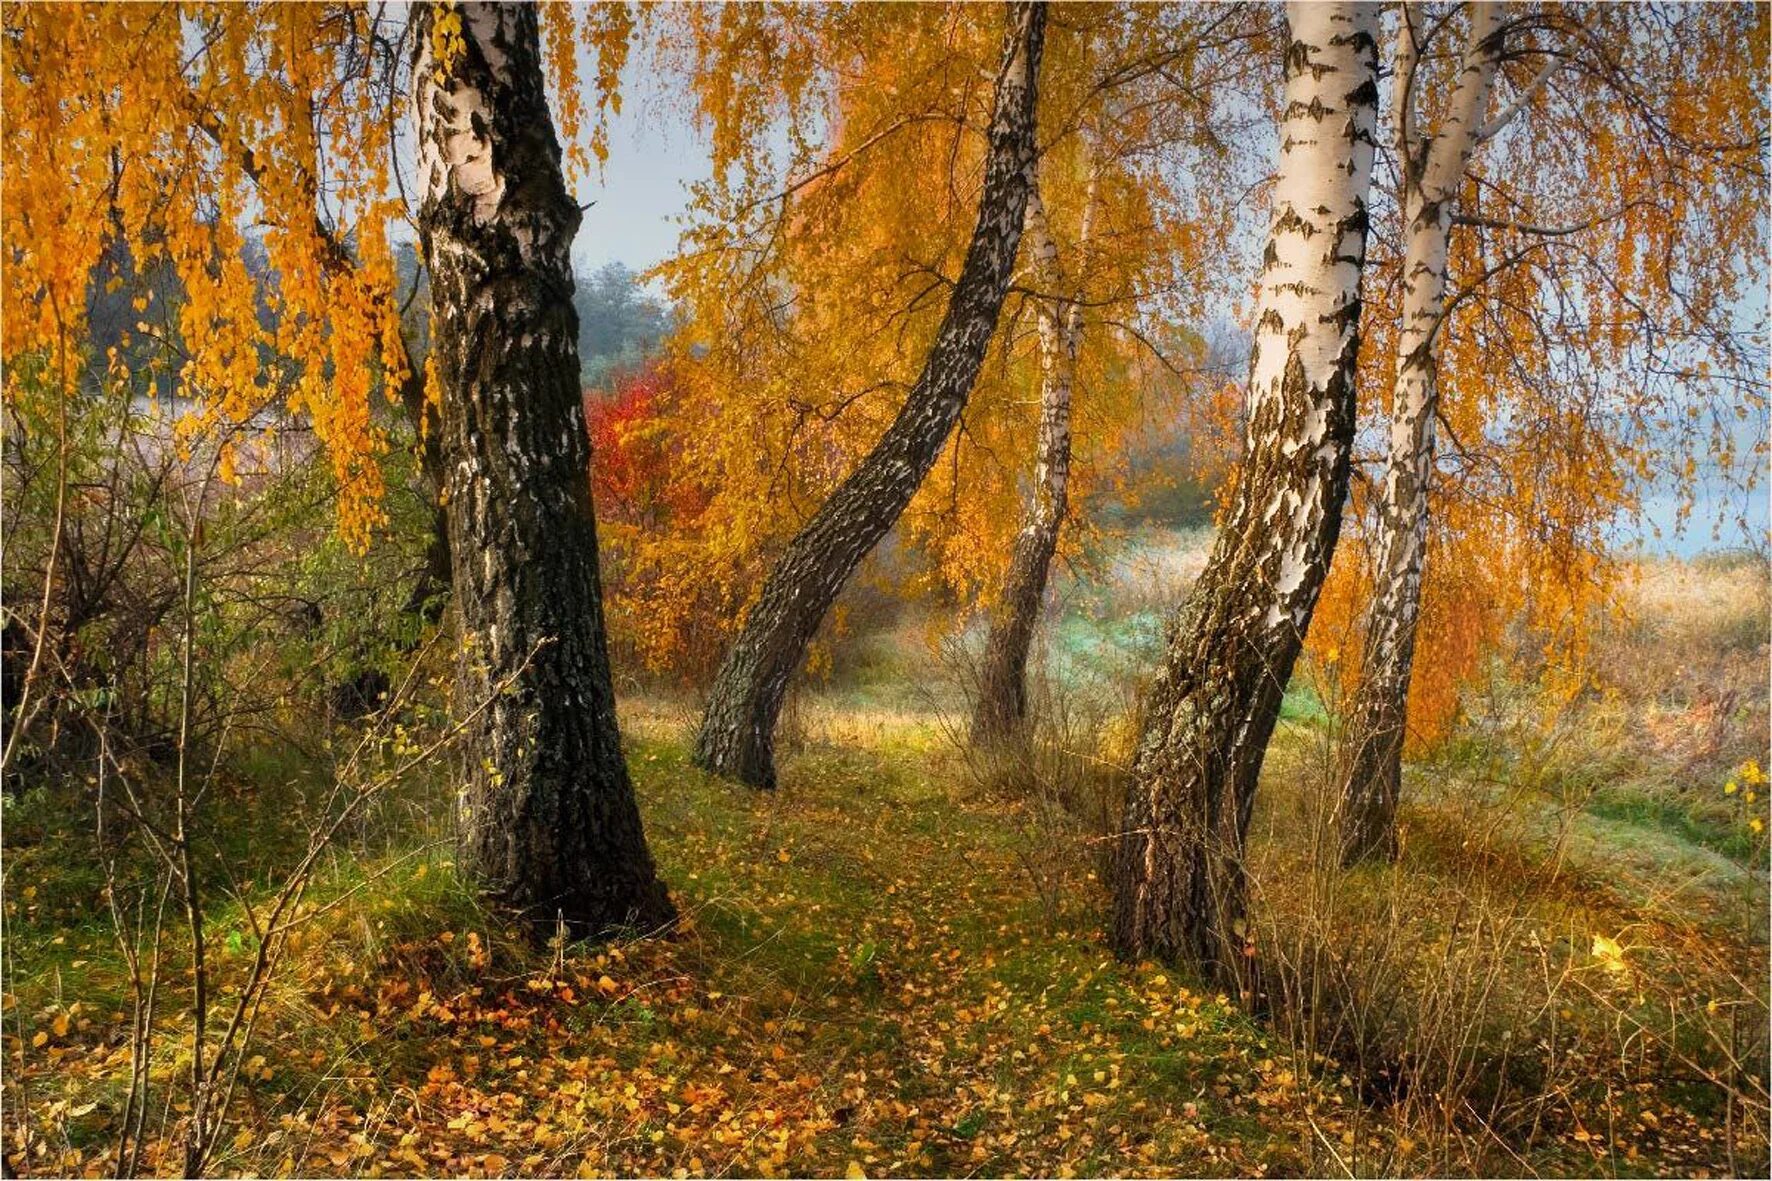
column 1432, row 170
column 548, row 821
column 1001, row 708
column 737, row 731
column 1180, row 883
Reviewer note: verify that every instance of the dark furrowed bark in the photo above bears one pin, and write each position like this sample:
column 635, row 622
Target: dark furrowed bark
column 1180, row 881
column 548, row 820
column 1181, row 890
column 1002, row 706
column 737, row 731
column 1375, row 759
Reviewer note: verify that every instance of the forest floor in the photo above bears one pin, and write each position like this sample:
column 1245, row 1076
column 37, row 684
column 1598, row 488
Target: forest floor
column 894, row 966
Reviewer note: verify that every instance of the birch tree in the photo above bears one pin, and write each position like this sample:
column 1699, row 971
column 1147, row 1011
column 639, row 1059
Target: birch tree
column 737, row 730
column 1002, row 687
column 814, row 271
column 1180, row 883
column 548, row 820
column 1571, row 320
column 1432, row 168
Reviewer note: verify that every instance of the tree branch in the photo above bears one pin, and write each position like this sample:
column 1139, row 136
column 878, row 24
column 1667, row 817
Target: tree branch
column 1510, row 112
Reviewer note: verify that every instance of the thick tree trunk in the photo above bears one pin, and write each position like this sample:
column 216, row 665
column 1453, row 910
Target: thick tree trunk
column 548, row 822
column 1001, row 707
column 1179, row 877
column 1432, row 171
column 737, row 731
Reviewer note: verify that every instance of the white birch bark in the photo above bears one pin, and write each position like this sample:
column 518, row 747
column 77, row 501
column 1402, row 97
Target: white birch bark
column 1433, row 168
column 1180, row 884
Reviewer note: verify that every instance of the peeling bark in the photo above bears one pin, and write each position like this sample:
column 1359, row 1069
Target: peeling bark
column 737, row 731
column 1432, row 170
column 548, row 821
column 1001, row 708
column 1180, row 885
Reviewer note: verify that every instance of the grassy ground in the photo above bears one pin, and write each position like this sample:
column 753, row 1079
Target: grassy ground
column 878, row 973
column 862, row 981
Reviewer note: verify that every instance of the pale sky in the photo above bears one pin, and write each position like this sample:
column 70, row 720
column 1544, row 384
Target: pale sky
column 654, row 154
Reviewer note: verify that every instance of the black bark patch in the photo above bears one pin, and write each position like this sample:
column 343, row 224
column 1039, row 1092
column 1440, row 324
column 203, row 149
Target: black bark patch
column 549, row 824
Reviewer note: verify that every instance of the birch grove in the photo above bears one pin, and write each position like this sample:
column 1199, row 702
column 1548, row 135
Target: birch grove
column 1200, row 508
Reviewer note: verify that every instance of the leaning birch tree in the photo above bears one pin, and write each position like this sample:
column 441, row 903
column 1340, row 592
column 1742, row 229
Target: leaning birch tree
column 1180, row 884
column 1002, row 684
column 1574, row 261
column 1432, row 168
column 737, row 731
column 548, row 820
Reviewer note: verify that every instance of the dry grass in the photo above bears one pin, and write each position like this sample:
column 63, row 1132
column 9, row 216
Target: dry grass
column 1689, row 658
column 1566, row 971
column 1473, row 992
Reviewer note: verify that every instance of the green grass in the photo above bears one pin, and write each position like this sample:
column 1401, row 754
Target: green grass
column 863, row 975
column 860, row 956
column 1661, row 810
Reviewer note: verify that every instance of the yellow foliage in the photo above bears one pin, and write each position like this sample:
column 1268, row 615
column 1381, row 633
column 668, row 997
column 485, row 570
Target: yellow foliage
column 119, row 136
column 812, row 285
column 1574, row 367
